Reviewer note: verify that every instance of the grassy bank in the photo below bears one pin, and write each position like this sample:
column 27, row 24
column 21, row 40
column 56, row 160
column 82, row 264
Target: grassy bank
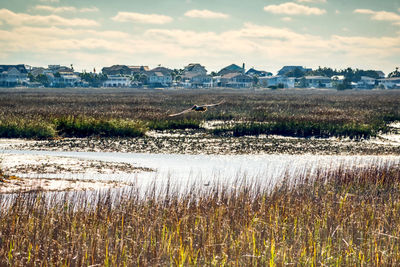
column 303, row 129
column 339, row 218
column 162, row 125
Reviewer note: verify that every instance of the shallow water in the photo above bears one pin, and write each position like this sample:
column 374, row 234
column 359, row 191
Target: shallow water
column 184, row 170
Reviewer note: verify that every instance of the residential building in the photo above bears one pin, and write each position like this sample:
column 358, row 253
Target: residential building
column 277, row 81
column 117, row 81
column 117, row 70
column 13, row 75
column 233, row 68
column 318, row 82
column 138, row 69
column 194, row 80
column 159, row 79
column 390, row 83
column 258, row 73
column 366, row 83
column 195, row 68
column 236, row 80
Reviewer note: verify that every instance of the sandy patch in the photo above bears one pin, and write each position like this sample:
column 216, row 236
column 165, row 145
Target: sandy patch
column 17, row 185
column 24, row 163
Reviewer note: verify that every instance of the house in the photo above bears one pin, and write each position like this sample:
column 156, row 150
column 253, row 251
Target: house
column 258, row 73
column 13, row 75
column 236, row 80
column 366, row 83
column 277, row 81
column 117, row 81
column 138, row 69
column 318, row 82
column 117, row 70
column 197, row 80
column 233, row 68
column 390, row 83
column 65, row 79
column 381, row 74
column 287, row 69
column 159, row 79
column 195, row 68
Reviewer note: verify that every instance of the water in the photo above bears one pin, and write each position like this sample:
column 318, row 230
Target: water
column 184, row 170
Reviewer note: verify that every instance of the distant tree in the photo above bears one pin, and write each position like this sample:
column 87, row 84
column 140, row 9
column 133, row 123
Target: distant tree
column 57, row 75
column 345, row 85
column 303, row 83
column 94, row 80
column 295, row 73
column 213, row 74
column 395, row 73
column 31, row 77
column 43, row 79
column 255, row 80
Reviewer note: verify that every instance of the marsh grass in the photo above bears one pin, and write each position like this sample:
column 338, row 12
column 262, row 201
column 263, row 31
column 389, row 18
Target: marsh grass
column 341, row 217
column 24, row 128
column 302, row 129
column 321, row 113
column 72, row 126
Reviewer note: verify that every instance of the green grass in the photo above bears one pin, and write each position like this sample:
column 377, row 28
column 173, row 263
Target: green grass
column 338, row 218
column 86, row 126
column 302, row 129
column 22, row 128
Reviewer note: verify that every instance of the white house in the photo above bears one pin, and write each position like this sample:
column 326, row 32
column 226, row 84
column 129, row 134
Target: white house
column 12, row 75
column 390, row 83
column 278, row 80
column 366, row 83
column 236, row 80
column 157, row 78
column 318, row 82
column 196, row 80
column 117, row 81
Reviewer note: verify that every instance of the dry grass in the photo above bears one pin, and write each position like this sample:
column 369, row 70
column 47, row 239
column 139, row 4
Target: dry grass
column 340, row 217
column 365, row 109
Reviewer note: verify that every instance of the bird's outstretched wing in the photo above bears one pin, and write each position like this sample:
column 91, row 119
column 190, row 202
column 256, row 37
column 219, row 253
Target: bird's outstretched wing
column 180, row 113
column 213, row 105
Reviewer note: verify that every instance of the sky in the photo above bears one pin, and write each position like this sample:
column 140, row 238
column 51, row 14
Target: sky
column 265, row 34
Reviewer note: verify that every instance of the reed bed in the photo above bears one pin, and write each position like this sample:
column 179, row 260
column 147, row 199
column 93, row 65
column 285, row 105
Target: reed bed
column 340, row 217
column 360, row 109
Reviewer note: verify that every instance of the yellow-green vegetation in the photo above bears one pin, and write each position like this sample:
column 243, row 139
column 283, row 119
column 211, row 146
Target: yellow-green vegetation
column 319, row 113
column 87, row 126
column 303, row 129
column 336, row 218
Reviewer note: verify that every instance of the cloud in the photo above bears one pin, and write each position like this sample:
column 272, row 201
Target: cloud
column 380, row 15
column 141, row 18
column 311, row 1
column 287, row 19
column 205, row 14
column 18, row 19
column 65, row 9
column 294, row 9
column 252, row 43
column 49, row 1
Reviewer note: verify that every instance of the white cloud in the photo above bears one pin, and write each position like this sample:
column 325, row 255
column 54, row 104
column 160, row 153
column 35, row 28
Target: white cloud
column 294, row 9
column 141, row 18
column 380, row 15
column 56, row 9
column 65, row 9
column 205, row 14
column 18, row 19
column 311, row 1
column 287, row 19
column 49, row 1
column 251, row 43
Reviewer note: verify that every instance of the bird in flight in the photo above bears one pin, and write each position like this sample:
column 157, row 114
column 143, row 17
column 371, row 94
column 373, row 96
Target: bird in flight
column 201, row 108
